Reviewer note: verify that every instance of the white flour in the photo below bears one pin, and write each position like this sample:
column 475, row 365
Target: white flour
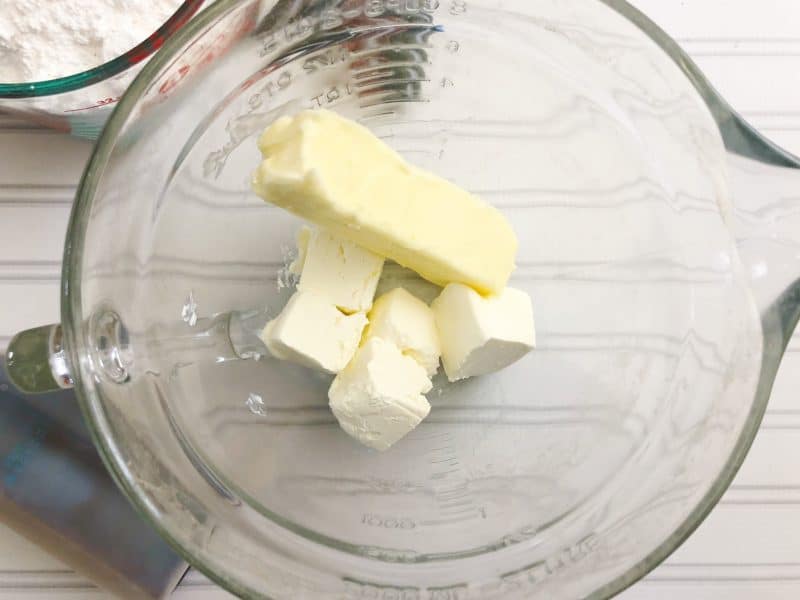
column 44, row 39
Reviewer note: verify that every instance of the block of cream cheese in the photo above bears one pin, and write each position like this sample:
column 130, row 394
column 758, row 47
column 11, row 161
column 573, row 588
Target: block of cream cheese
column 337, row 174
column 303, row 237
column 481, row 334
column 408, row 323
column 312, row 332
column 337, row 269
column 379, row 397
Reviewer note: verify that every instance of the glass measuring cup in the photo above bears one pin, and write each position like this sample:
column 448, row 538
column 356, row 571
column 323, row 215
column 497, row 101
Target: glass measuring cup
column 657, row 239
column 80, row 103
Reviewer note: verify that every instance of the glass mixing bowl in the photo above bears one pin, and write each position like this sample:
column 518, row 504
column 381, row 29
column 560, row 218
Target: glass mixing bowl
column 658, row 240
column 81, row 103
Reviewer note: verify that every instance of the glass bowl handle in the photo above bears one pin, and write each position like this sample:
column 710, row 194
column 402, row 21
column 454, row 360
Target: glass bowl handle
column 36, row 360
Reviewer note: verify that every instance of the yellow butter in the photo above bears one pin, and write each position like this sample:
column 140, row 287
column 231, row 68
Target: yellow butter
column 337, row 174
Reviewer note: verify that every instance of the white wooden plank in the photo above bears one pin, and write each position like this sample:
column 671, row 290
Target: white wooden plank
column 770, row 468
column 786, row 390
column 712, row 590
column 733, row 48
column 742, row 80
column 744, row 534
column 34, row 303
column 720, row 572
column 25, row 556
column 48, row 159
column 32, row 234
column 786, row 138
column 725, row 19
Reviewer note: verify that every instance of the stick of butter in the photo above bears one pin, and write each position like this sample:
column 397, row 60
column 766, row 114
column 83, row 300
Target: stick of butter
column 337, row 174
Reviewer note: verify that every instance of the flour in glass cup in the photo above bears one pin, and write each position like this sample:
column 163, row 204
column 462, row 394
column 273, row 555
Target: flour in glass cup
column 46, row 39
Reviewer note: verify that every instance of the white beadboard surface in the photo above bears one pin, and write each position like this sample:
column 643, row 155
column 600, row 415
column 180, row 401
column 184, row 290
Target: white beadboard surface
column 748, row 548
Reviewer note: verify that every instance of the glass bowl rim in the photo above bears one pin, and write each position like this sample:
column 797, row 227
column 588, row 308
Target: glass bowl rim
column 92, row 403
column 115, row 66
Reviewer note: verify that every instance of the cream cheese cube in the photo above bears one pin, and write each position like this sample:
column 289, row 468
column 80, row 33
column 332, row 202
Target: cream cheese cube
column 378, row 398
column 338, row 270
column 312, row 332
column 408, row 323
column 482, row 334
